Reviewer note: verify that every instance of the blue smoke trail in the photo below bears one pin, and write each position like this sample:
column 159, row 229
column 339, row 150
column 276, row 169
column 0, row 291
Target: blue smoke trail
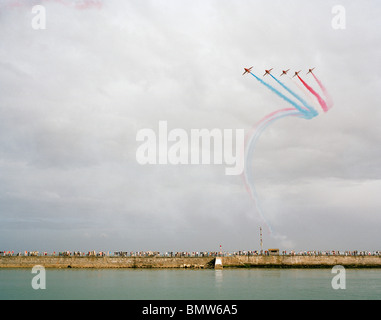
column 313, row 112
column 249, row 153
column 306, row 113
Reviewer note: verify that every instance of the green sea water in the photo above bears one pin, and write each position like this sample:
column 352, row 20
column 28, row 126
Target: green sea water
column 169, row 284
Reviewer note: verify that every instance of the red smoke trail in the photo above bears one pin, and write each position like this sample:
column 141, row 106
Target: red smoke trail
column 321, row 101
column 325, row 92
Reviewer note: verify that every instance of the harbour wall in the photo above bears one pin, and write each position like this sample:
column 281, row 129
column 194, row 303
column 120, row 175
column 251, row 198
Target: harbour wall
column 289, row 261
column 191, row 262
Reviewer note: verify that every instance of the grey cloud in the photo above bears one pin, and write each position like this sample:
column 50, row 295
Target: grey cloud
column 73, row 96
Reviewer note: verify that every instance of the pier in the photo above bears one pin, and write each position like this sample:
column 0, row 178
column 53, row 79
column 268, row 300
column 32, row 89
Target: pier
column 236, row 261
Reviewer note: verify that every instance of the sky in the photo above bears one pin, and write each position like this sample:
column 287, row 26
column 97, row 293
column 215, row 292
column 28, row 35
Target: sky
column 74, row 95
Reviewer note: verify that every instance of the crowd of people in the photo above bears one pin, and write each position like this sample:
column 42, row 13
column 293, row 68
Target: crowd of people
column 190, row 254
column 59, row 253
column 333, row 253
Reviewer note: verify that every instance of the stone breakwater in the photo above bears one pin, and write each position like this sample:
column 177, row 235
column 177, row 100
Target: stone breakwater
column 192, row 262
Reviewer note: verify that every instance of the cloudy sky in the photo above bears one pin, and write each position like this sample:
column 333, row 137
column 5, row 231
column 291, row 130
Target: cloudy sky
column 74, row 95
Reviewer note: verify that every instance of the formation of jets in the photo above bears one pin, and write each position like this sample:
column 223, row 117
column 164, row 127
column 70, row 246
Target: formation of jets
column 248, row 70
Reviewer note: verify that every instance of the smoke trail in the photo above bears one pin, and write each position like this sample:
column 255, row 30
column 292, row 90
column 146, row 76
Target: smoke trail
column 259, row 128
column 307, row 93
column 325, row 92
column 321, row 101
column 311, row 109
column 306, row 113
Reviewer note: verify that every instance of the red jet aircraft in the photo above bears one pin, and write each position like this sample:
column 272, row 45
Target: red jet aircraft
column 247, row 70
column 296, row 73
column 284, row 72
column 267, row 72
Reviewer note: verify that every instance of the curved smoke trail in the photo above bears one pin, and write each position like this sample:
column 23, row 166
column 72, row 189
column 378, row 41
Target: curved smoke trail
column 259, row 128
column 306, row 111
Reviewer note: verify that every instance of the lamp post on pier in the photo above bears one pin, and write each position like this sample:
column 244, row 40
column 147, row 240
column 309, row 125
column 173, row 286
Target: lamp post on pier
column 260, row 239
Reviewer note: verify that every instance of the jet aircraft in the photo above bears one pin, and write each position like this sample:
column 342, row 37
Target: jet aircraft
column 296, row 73
column 267, row 72
column 247, row 70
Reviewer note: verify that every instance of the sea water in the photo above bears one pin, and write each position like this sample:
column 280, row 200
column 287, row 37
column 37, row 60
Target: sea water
column 185, row 284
